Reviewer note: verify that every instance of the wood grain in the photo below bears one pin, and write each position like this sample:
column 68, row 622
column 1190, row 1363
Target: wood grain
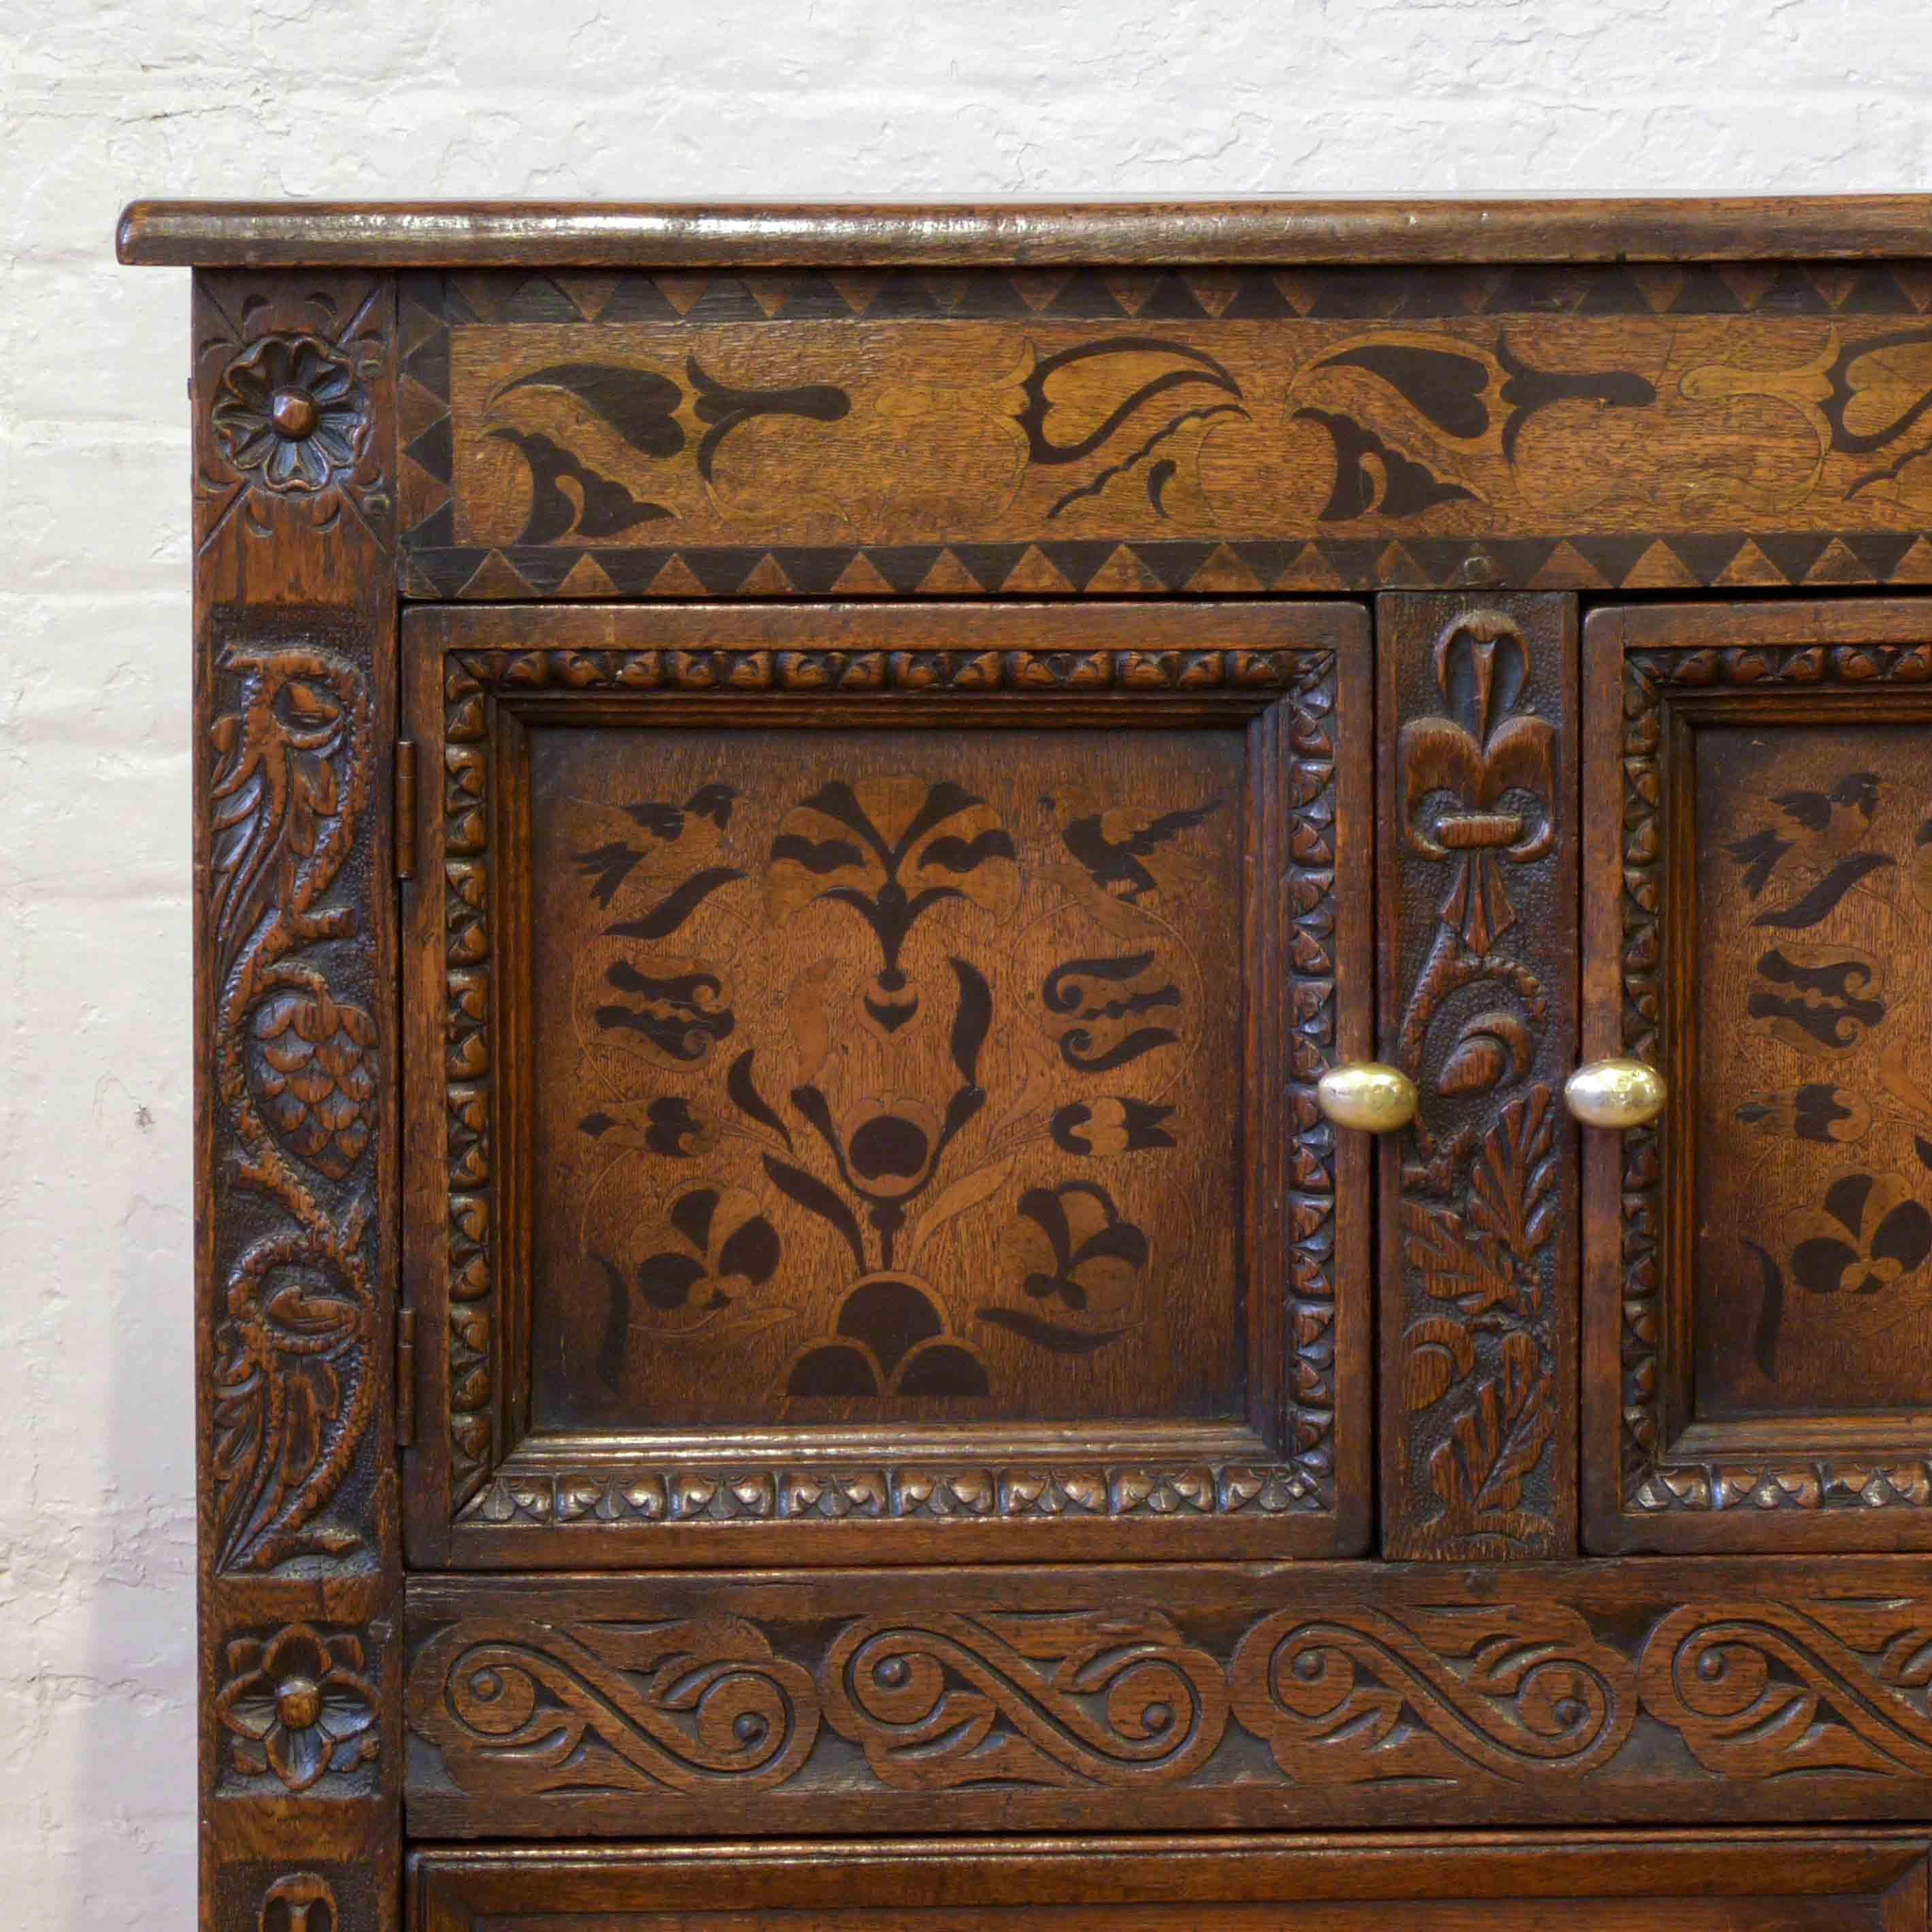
column 1477, row 790
column 934, row 987
column 296, row 1155
column 620, row 234
column 1764, row 1881
column 1038, row 433
column 1117, row 1331
column 1750, row 1377
column 1203, row 1697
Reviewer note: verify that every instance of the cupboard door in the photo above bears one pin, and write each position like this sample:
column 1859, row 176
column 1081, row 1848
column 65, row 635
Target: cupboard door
column 861, row 1095
column 1582, row 1882
column 1758, row 1368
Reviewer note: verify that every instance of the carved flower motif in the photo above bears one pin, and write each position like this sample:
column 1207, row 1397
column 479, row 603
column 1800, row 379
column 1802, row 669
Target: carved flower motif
column 299, row 1704
column 290, row 411
column 1872, row 1231
column 1478, row 781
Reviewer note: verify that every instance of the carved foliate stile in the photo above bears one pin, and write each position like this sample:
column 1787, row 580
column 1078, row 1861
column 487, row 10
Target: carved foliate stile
column 1477, row 733
column 294, row 526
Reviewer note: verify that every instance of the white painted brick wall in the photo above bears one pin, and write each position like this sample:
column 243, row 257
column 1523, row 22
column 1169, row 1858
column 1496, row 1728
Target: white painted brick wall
column 103, row 99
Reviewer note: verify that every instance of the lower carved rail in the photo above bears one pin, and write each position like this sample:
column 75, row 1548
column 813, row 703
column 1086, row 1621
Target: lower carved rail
column 1197, row 1697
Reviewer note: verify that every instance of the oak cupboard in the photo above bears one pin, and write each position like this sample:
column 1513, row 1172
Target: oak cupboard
column 1063, row 1066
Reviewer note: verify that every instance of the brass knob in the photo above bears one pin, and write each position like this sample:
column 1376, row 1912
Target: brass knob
column 1367, row 1095
column 1615, row 1093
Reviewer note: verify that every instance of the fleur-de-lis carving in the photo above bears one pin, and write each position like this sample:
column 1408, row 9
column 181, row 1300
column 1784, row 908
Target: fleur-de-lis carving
column 1477, row 781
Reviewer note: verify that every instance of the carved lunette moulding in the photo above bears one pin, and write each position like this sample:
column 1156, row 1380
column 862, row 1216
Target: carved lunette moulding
column 486, row 1495
column 1638, row 1474
column 583, row 1706
column 294, row 520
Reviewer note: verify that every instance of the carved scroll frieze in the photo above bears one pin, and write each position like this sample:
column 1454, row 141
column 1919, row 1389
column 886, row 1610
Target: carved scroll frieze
column 1064, row 1700
column 1364, row 1695
column 688, row 1705
column 1402, row 1695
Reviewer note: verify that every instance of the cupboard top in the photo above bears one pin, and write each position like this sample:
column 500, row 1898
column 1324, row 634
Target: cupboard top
column 1044, row 233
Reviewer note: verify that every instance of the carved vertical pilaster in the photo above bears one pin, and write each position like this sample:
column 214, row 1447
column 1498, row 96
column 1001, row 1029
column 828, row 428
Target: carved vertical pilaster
column 1477, row 746
column 296, row 1161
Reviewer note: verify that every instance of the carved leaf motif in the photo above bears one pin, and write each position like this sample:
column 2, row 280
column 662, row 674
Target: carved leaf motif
column 274, row 804
column 292, row 1393
column 1495, row 1443
column 1455, row 1262
column 1438, row 1354
column 1513, row 1195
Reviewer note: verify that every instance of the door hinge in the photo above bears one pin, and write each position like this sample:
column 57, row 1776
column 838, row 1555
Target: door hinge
column 405, row 808
column 405, row 1377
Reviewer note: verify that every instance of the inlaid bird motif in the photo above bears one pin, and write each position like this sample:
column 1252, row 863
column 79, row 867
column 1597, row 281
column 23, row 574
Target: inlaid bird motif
column 1814, row 845
column 1121, row 850
column 691, row 832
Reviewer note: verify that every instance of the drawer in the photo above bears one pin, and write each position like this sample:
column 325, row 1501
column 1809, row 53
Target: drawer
column 1754, row 1882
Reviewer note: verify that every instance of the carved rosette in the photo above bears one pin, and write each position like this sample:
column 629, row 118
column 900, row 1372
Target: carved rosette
column 1652, row 1483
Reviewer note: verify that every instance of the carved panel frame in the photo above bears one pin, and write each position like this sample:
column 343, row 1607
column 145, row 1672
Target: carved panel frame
column 1654, row 1477
column 1290, row 1480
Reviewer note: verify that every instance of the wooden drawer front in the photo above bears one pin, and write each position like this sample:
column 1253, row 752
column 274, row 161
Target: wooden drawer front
column 866, row 1100
column 1169, row 1696
column 1753, row 1882
column 1203, row 431
column 1759, row 915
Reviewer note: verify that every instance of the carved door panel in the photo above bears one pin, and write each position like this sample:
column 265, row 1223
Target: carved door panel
column 1476, row 734
column 1758, row 911
column 860, row 1100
